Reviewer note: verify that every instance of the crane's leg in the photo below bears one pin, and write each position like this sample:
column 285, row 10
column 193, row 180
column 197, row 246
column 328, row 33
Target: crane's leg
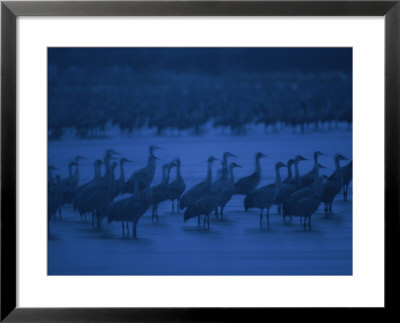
column 152, row 214
column 208, row 222
column 279, row 208
column 123, row 229
column 216, row 212
column 305, row 224
column 309, row 223
column 173, row 211
column 344, row 192
column 127, row 228
column 330, row 208
column 59, row 212
column 222, row 212
column 261, row 218
column 268, row 216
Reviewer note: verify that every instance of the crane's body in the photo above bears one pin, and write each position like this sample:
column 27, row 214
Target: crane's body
column 248, row 184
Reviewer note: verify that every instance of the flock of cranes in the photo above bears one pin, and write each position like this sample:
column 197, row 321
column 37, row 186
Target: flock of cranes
column 295, row 196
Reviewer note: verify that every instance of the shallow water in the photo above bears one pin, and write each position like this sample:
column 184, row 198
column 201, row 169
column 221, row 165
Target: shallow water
column 235, row 245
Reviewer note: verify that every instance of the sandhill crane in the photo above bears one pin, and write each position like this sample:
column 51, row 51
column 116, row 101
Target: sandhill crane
column 333, row 185
column 315, row 187
column 203, row 206
column 248, row 184
column 223, row 173
column 129, row 209
column 144, row 175
column 120, row 183
column 305, row 202
column 159, row 193
column 177, row 186
column 347, row 172
column 97, row 177
column 224, row 189
column 263, row 197
column 288, row 186
column 100, row 199
column 308, row 179
column 72, row 182
column 93, row 191
column 55, row 194
column 289, row 178
column 297, row 177
column 199, row 190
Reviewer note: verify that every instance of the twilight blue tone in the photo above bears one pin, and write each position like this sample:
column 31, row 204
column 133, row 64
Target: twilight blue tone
column 200, row 161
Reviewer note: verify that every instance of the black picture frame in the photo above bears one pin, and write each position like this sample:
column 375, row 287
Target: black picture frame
column 10, row 10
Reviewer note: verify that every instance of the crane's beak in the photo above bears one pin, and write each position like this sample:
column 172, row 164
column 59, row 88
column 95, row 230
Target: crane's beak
column 322, row 154
column 321, row 166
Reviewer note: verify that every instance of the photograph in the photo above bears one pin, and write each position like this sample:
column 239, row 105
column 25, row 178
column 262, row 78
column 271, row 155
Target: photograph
column 200, row 161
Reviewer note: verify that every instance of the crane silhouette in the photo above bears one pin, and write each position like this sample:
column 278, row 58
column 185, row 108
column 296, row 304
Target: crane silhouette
column 144, row 175
column 333, row 185
column 263, row 197
column 177, row 186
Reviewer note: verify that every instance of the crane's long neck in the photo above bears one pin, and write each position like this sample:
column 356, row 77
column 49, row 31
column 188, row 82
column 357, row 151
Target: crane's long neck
column 70, row 170
column 107, row 167
column 111, row 178
column 278, row 180
column 290, row 174
column 231, row 178
column 225, row 163
column 151, row 165
column 339, row 170
column 296, row 172
column 178, row 172
column 209, row 174
column 76, row 175
column 168, row 171
column 337, row 163
column 122, row 175
column 97, row 171
column 258, row 167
